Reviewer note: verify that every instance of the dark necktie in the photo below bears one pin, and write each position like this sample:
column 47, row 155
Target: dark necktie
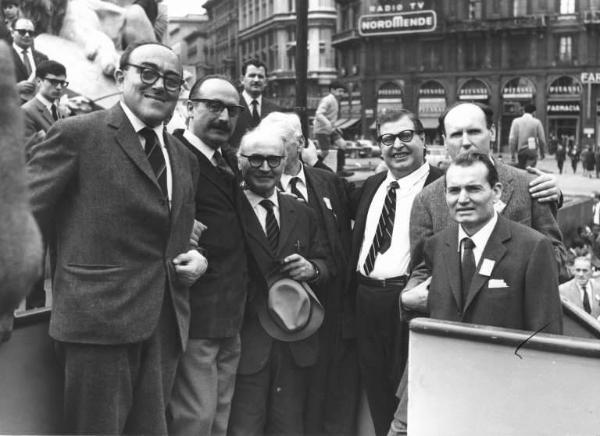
column 586, row 300
column 155, row 157
column 26, row 62
column 54, row 112
column 272, row 227
column 222, row 163
column 385, row 228
column 294, row 186
column 467, row 266
column 255, row 115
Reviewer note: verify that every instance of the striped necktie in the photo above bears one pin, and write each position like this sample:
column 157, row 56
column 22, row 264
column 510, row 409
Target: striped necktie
column 155, row 157
column 385, row 228
column 272, row 227
column 294, row 188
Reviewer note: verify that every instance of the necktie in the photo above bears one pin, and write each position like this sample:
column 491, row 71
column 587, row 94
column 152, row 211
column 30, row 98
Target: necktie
column 54, row 112
column 26, row 62
column 222, row 163
column 255, row 115
column 467, row 267
column 272, row 227
column 155, row 157
column 586, row 300
column 385, row 227
column 294, row 185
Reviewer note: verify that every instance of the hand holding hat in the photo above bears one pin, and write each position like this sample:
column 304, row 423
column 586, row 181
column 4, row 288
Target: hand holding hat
column 298, row 268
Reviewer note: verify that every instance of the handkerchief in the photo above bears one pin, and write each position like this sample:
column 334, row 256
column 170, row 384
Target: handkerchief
column 497, row 283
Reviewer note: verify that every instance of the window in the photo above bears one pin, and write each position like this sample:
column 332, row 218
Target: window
column 474, row 9
column 519, row 8
column 475, row 53
column 519, row 53
column 567, row 6
column 432, row 55
column 565, row 49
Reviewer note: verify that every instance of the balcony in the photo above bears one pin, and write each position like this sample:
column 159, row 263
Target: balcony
column 344, row 36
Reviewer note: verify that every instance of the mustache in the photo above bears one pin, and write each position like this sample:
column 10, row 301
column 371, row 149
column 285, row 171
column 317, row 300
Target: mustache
column 221, row 125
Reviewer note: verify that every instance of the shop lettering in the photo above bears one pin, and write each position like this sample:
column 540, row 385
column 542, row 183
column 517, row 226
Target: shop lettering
column 563, row 108
column 590, row 77
column 390, row 92
column 519, row 90
column 431, row 91
column 413, row 6
column 472, row 91
column 565, row 90
column 408, row 22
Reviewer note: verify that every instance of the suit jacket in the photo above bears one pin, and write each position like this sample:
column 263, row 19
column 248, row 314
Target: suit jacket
column 570, row 291
column 520, row 291
column 91, row 182
column 20, row 70
column 299, row 233
column 37, row 117
column 430, row 214
column 360, row 204
column 218, row 298
column 522, row 129
column 245, row 121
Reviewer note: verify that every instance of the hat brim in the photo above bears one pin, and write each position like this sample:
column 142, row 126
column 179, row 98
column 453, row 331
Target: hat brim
column 317, row 314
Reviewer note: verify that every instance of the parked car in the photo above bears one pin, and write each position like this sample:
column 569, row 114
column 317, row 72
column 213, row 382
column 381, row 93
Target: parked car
column 437, row 156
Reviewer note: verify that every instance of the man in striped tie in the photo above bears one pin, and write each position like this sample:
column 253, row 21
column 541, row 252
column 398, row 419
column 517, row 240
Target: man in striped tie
column 380, row 258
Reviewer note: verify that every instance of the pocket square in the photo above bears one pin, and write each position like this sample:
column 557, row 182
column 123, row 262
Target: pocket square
column 497, row 283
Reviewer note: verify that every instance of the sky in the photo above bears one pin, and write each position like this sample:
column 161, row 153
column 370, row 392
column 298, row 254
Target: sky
column 178, row 8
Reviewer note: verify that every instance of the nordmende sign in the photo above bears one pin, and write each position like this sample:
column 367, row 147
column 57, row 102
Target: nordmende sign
column 397, row 23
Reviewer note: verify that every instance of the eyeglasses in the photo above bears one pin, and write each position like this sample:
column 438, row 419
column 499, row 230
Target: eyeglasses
column 56, row 82
column 217, row 106
column 24, row 32
column 172, row 82
column 388, row 139
column 256, row 160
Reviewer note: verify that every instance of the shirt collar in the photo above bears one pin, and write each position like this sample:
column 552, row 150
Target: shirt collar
column 138, row 124
column 481, row 237
column 249, row 99
column 410, row 180
column 200, row 145
column 287, row 178
column 255, row 199
column 44, row 101
column 20, row 49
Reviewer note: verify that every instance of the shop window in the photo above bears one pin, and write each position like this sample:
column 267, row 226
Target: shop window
column 565, row 49
column 519, row 8
column 474, row 9
column 567, row 6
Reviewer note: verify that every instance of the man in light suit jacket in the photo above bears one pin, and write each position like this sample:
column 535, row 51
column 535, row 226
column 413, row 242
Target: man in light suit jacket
column 584, row 290
column 25, row 57
column 468, row 127
column 118, row 192
column 283, row 240
column 527, row 138
column 256, row 106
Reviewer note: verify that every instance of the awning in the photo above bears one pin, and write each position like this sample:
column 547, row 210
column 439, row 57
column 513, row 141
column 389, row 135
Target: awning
column 429, row 122
column 349, row 123
column 339, row 122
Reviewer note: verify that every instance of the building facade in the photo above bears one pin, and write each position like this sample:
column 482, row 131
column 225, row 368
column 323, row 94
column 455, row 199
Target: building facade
column 425, row 55
column 222, row 45
column 187, row 36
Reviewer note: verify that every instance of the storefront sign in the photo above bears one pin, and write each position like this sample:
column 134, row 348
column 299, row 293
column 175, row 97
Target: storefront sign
column 517, row 92
column 397, row 23
column 564, row 87
column 397, row 6
column 473, row 89
column 590, row 77
column 563, row 107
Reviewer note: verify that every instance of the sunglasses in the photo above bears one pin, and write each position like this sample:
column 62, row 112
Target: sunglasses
column 171, row 81
column 388, row 139
column 256, row 160
column 24, row 32
column 217, row 106
column 56, row 82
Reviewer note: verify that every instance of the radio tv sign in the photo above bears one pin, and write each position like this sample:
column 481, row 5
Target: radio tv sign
column 397, row 23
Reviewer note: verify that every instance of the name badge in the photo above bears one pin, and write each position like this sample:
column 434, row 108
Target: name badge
column 486, row 268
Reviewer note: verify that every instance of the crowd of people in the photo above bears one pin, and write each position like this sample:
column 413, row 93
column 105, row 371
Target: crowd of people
column 221, row 279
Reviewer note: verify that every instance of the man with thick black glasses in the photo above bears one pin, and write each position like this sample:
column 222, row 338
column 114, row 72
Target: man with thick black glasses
column 380, row 259
column 206, row 375
column 25, row 57
column 117, row 192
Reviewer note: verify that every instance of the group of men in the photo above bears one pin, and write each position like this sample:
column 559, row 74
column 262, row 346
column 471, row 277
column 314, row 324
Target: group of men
column 202, row 290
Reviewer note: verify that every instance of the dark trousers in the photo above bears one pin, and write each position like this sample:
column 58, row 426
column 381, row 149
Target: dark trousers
column 341, row 160
column 125, row 388
column 382, row 350
column 271, row 401
column 560, row 164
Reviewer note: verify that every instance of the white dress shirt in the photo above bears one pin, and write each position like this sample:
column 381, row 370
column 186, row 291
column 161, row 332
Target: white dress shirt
column 480, row 238
column 260, row 211
column 201, row 146
column 300, row 184
column 19, row 51
column 395, row 261
column 138, row 125
column 249, row 99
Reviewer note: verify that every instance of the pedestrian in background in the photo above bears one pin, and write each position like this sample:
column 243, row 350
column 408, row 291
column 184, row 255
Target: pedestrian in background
column 597, row 161
column 561, row 155
column 587, row 162
column 574, row 156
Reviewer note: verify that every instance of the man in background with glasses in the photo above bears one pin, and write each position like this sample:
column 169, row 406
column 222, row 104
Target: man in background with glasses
column 25, row 57
column 206, row 375
column 380, row 258
column 117, row 192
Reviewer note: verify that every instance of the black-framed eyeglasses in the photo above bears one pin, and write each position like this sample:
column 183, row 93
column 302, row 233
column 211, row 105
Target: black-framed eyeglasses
column 388, row 139
column 256, row 160
column 171, row 81
column 56, row 82
column 24, row 32
column 217, row 106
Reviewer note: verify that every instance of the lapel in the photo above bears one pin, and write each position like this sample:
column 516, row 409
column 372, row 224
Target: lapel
column 126, row 137
column 287, row 220
column 453, row 268
column 254, row 230
column 494, row 251
column 506, row 179
column 365, row 200
column 44, row 112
